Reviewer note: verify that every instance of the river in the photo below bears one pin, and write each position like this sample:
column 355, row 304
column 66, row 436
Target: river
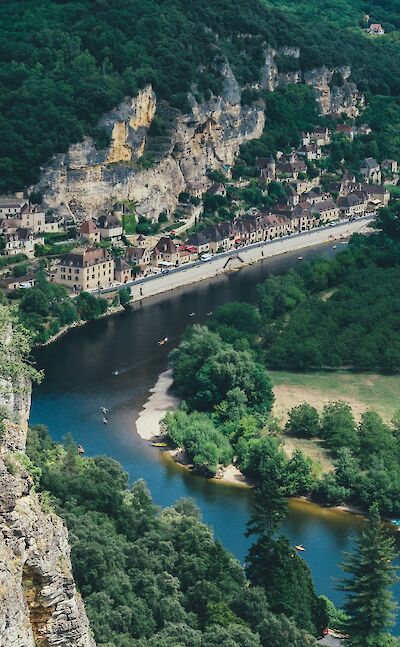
column 79, row 380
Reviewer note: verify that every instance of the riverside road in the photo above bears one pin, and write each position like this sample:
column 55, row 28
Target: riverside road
column 233, row 259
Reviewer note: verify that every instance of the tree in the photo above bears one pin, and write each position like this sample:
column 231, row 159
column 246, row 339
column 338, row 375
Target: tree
column 89, row 307
column 338, row 428
column 303, row 421
column 273, row 565
column 124, row 296
column 388, row 220
column 369, row 602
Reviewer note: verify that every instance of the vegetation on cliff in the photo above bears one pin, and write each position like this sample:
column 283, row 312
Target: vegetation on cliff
column 64, row 64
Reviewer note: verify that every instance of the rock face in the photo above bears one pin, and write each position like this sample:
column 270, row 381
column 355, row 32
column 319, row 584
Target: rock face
column 331, row 98
column 85, row 180
column 39, row 604
column 152, row 168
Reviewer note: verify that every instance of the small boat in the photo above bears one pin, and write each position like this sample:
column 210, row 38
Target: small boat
column 159, row 444
column 300, row 548
column 163, row 341
column 104, row 410
column 80, row 450
column 105, row 421
column 300, row 258
column 334, row 247
column 115, row 372
column 191, row 314
column 209, row 314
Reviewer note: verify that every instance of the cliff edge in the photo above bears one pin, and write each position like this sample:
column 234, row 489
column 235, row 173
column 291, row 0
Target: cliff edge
column 39, row 604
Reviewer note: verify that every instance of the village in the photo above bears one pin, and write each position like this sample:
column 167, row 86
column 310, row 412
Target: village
column 101, row 252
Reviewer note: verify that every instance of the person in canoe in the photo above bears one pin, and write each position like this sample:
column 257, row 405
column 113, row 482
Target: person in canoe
column 104, row 411
column 105, row 421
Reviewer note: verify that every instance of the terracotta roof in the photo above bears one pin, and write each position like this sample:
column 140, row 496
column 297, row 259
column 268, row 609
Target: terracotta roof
column 88, row 227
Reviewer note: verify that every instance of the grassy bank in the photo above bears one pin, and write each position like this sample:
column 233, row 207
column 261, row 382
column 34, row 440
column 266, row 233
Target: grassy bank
column 361, row 391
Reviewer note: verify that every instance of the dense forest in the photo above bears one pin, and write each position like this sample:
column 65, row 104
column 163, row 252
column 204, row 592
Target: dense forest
column 63, row 64
column 158, row 578
column 342, row 312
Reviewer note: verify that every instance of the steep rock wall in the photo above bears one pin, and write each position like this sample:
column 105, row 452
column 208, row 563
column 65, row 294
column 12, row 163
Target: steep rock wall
column 84, row 180
column 151, row 171
column 39, row 604
column 331, row 98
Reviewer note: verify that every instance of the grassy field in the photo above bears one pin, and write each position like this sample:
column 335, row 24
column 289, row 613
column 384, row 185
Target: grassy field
column 362, row 391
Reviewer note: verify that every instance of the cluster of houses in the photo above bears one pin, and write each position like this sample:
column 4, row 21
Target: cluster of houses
column 307, row 205
column 23, row 224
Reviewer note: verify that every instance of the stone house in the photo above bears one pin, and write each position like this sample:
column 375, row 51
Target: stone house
column 89, row 232
column 346, row 130
column 199, row 241
column 320, row 136
column 377, row 193
column 276, row 226
column 51, row 224
column 8, row 224
column 376, row 29
column 217, row 189
column 311, row 152
column 353, row 204
column 371, row 171
column 110, row 227
column 325, row 211
column 21, row 241
column 10, row 283
column 85, row 269
column 139, row 256
column 165, row 250
column 32, row 218
column 10, row 206
column 391, row 166
column 122, row 271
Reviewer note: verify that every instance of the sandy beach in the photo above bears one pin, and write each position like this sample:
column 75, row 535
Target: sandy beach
column 160, row 401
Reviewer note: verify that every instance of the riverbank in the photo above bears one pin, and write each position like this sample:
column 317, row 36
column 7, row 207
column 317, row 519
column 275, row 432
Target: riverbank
column 221, row 264
column 77, row 324
column 149, row 427
column 236, row 259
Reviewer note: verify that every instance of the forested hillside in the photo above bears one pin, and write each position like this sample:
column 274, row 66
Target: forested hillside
column 63, row 64
column 158, row 578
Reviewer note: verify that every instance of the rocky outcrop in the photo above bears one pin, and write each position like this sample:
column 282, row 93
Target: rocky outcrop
column 151, row 168
column 39, row 604
column 333, row 98
column 84, row 181
column 334, row 93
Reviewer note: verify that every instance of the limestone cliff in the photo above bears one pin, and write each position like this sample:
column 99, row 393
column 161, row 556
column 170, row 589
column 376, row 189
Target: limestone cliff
column 151, row 167
column 39, row 604
column 333, row 97
column 84, row 180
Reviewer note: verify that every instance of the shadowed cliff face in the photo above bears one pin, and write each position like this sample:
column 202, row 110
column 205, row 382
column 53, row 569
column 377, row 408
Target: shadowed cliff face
column 151, row 167
column 38, row 599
